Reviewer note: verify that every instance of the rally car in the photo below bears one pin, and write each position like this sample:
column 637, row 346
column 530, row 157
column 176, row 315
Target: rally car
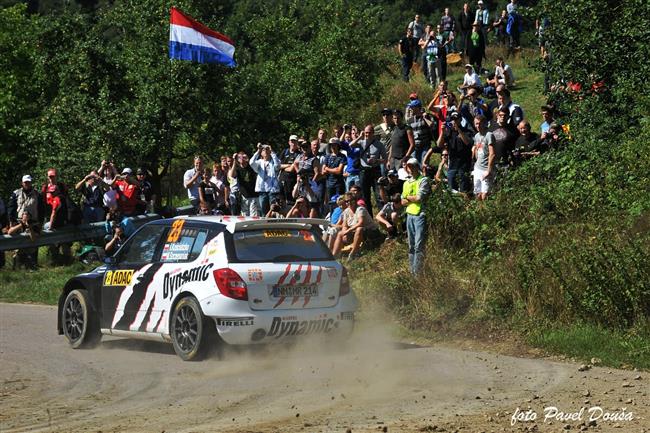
column 197, row 280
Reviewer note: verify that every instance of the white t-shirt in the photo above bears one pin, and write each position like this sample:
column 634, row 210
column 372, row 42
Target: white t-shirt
column 471, row 79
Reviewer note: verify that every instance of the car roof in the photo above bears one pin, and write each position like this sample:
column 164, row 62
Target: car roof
column 239, row 223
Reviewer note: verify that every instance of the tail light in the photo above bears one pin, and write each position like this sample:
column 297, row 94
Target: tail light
column 230, row 284
column 345, row 283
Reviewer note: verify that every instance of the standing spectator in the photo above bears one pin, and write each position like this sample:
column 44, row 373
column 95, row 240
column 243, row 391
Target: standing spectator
column 246, row 177
column 191, row 180
column 406, row 50
column 448, row 26
column 499, row 27
column 147, row 201
column 307, row 166
column 471, row 106
column 207, row 200
column 504, row 143
column 4, row 226
column 422, row 133
column 482, row 17
column 352, row 172
column 129, row 192
column 219, row 181
column 432, row 51
column 401, row 143
column 56, row 206
column 444, row 50
column 92, row 189
column 483, row 153
column 420, row 43
column 476, row 47
column 388, row 217
column 465, row 21
column 107, row 171
column 287, row 171
column 373, row 155
column 417, row 31
column 322, row 142
column 459, row 148
column 414, row 195
column 516, row 114
column 514, row 27
column 512, row 6
column 267, row 185
column 384, row 130
column 333, row 170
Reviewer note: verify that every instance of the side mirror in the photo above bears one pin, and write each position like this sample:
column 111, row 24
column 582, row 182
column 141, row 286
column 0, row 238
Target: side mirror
column 110, row 260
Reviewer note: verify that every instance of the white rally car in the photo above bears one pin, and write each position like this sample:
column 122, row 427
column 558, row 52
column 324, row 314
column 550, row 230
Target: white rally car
column 194, row 280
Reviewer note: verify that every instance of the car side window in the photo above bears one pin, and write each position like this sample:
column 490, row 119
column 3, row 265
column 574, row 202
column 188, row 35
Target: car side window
column 141, row 248
column 185, row 247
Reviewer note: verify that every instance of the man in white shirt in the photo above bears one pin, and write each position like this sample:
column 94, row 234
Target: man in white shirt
column 191, row 181
column 470, row 79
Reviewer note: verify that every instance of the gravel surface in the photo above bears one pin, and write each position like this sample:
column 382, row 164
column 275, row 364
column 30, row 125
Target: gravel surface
column 372, row 384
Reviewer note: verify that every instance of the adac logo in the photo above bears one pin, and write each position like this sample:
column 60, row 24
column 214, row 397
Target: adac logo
column 118, row 278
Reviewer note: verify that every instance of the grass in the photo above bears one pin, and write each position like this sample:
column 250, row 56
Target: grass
column 42, row 286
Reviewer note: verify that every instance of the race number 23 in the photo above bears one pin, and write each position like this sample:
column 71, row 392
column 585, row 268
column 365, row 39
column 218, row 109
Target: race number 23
column 175, row 232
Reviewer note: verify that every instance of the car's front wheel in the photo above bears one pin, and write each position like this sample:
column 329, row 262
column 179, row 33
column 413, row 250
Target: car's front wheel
column 80, row 323
column 190, row 330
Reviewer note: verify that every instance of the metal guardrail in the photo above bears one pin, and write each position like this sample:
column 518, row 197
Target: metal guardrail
column 73, row 233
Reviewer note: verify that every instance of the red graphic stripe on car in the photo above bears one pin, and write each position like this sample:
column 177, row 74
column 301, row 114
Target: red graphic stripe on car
column 285, row 275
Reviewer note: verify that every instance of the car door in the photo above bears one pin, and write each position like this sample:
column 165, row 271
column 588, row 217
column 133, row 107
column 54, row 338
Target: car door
column 126, row 282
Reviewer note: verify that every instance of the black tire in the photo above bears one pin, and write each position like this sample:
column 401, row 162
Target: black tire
column 190, row 331
column 80, row 323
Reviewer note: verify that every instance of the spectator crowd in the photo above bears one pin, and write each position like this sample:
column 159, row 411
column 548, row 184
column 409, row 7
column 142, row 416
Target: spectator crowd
column 371, row 183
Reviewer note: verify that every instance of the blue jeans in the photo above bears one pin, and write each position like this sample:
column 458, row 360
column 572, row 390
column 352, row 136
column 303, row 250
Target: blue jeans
column 352, row 179
column 264, row 200
column 417, row 234
column 93, row 214
column 420, row 153
column 458, row 179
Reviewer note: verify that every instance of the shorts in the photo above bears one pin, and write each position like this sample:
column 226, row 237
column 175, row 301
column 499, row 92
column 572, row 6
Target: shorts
column 481, row 185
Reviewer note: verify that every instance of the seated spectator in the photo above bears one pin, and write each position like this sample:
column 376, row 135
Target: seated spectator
column 300, row 209
column 389, row 185
column 355, row 190
column 92, row 189
column 25, row 212
column 502, row 75
column 357, row 226
column 388, row 217
column 56, row 208
column 547, row 115
column 329, row 236
column 524, row 142
column 113, row 217
column 117, row 239
column 470, row 80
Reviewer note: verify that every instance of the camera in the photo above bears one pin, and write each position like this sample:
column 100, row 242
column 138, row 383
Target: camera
column 347, row 126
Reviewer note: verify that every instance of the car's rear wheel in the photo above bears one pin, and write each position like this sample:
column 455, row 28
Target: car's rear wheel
column 80, row 323
column 190, row 330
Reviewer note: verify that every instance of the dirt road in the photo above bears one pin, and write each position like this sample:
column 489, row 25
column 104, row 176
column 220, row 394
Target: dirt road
column 373, row 385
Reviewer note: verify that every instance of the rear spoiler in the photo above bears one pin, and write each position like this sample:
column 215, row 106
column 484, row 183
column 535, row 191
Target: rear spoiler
column 280, row 223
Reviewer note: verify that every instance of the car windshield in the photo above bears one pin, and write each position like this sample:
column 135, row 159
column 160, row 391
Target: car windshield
column 285, row 245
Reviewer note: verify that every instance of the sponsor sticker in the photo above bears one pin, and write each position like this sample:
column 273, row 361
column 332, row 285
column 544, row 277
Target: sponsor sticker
column 175, row 232
column 172, row 283
column 118, row 278
column 281, row 327
column 277, row 234
column 255, row 275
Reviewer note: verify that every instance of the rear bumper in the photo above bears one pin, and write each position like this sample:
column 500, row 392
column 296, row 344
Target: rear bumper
column 236, row 323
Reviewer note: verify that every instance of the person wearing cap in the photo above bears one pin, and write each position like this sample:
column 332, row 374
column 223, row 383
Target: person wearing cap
column 476, row 46
column 389, row 185
column 92, row 189
column 25, row 211
column 385, row 129
column 288, row 174
column 333, row 166
column 482, row 18
column 470, row 80
column 483, row 153
column 415, row 192
column 401, row 141
column 421, row 125
column 373, row 156
column 408, row 112
column 389, row 215
column 191, row 181
column 308, row 168
column 147, row 199
column 406, row 49
column 128, row 192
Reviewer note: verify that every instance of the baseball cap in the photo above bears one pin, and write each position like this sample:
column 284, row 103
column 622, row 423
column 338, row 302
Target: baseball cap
column 141, row 171
column 469, row 66
column 127, row 170
column 415, row 103
column 413, row 161
column 480, row 2
column 387, row 111
column 413, row 96
column 392, row 172
column 27, row 178
column 293, row 137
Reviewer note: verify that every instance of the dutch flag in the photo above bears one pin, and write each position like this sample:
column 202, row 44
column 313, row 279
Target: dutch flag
column 191, row 40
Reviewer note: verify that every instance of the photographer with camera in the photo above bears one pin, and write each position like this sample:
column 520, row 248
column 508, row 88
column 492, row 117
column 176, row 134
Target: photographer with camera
column 306, row 189
column 389, row 185
column 92, row 189
column 107, row 171
column 117, row 239
column 389, row 216
column 457, row 143
column 267, row 185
